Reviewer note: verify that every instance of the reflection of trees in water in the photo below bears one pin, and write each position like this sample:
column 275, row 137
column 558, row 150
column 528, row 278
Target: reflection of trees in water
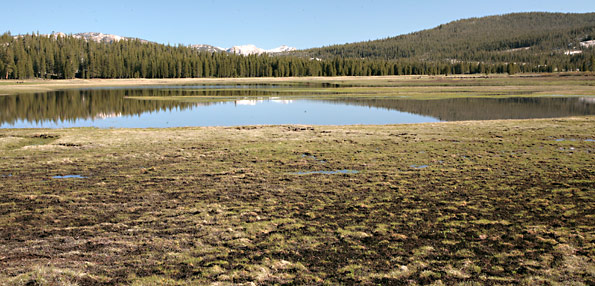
column 79, row 104
column 456, row 109
column 101, row 103
column 224, row 92
column 87, row 104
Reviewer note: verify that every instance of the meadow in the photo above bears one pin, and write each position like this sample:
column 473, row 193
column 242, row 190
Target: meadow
column 493, row 202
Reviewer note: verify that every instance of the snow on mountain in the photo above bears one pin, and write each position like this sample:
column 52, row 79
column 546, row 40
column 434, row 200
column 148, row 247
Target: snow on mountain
column 92, row 36
column 208, row 48
column 99, row 37
column 252, row 49
column 246, row 50
column 282, row 49
column 240, row 50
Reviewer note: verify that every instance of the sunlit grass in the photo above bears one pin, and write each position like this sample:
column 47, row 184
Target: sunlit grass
column 500, row 202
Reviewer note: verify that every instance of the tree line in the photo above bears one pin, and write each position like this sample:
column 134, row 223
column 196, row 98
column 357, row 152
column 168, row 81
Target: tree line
column 67, row 57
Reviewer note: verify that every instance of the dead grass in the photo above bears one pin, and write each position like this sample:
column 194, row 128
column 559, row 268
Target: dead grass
column 557, row 84
column 502, row 202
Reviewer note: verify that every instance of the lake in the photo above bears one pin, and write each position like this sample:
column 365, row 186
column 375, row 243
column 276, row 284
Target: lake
column 179, row 106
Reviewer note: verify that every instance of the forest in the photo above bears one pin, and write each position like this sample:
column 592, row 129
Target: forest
column 527, row 38
column 515, row 43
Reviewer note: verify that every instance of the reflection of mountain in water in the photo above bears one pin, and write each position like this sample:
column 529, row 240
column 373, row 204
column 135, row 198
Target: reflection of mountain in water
column 78, row 104
column 457, row 109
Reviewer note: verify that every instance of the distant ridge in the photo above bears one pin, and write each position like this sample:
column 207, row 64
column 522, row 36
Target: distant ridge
column 240, row 50
column 96, row 37
column 244, row 50
column 511, row 37
column 253, row 50
column 208, row 48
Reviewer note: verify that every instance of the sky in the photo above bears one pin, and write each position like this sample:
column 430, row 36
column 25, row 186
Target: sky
column 266, row 24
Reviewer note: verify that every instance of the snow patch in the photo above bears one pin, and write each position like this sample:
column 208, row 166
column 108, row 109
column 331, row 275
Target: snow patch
column 208, row 48
column 281, row 49
column 574, row 52
column 92, row 36
column 254, row 50
column 246, row 50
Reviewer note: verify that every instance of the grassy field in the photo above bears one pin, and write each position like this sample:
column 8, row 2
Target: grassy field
column 469, row 203
column 420, row 87
column 482, row 202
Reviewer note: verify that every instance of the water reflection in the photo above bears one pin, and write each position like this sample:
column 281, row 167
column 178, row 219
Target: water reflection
column 458, row 109
column 61, row 106
column 253, row 102
column 136, row 108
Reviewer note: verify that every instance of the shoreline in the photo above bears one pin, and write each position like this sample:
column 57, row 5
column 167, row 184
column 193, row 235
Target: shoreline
column 10, row 87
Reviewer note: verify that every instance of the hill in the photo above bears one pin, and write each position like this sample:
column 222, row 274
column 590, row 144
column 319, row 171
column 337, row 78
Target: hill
column 520, row 37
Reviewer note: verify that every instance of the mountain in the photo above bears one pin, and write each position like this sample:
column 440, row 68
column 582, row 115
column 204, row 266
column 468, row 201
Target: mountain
column 281, row 49
column 207, row 48
column 518, row 37
column 252, row 49
column 96, row 37
column 244, row 50
column 240, row 50
column 100, row 37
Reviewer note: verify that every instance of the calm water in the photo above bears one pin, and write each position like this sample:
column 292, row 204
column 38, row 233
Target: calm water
column 110, row 107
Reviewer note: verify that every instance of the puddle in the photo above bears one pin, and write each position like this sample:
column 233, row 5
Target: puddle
column 326, row 172
column 419, row 166
column 69, row 177
column 574, row 140
column 6, row 176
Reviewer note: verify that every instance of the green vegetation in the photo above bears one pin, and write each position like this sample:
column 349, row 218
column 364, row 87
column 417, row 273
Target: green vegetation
column 501, row 202
column 526, row 42
column 521, row 42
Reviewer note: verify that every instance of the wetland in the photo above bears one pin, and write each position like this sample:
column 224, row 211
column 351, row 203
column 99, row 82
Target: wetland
column 468, row 201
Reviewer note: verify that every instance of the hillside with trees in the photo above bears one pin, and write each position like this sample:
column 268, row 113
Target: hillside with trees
column 528, row 42
column 549, row 40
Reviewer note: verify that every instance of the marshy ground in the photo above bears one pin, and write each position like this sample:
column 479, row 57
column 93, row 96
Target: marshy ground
column 416, row 87
column 474, row 202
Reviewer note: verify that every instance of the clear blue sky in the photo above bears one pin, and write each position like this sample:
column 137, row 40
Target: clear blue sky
column 267, row 24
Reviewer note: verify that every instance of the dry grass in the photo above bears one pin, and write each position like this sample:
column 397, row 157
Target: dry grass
column 562, row 84
column 502, row 202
